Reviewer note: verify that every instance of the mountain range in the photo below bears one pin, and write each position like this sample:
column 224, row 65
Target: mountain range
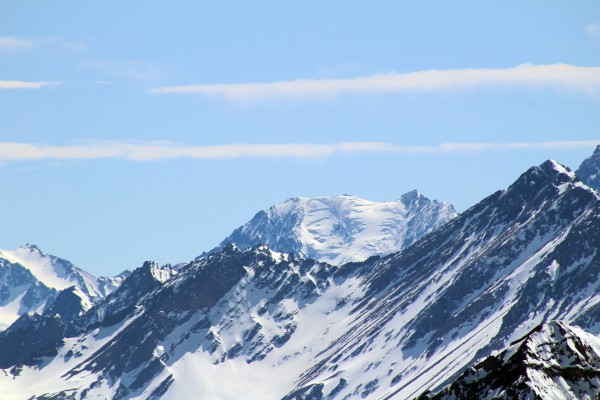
column 334, row 229
column 499, row 301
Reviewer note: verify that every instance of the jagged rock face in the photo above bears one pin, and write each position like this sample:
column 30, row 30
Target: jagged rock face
column 30, row 338
column 344, row 228
column 257, row 324
column 554, row 361
column 589, row 170
column 68, row 305
column 122, row 302
column 33, row 335
column 30, row 281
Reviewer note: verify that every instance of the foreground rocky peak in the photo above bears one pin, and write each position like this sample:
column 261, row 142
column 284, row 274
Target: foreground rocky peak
column 344, row 228
column 553, row 361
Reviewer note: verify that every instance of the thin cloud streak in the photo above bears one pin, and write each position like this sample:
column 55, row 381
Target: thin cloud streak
column 138, row 70
column 26, row 85
column 14, row 43
column 11, row 151
column 593, row 30
column 557, row 76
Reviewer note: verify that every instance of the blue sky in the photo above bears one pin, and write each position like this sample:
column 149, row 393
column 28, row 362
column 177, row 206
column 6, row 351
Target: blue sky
column 132, row 131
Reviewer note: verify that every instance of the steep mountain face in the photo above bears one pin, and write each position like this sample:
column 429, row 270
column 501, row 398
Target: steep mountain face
column 589, row 170
column 30, row 338
column 34, row 336
column 123, row 301
column 343, row 228
column 30, row 280
column 517, row 259
column 258, row 324
column 554, row 361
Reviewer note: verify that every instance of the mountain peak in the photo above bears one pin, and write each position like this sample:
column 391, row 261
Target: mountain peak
column 554, row 358
column 31, row 247
column 532, row 181
column 343, row 228
column 156, row 272
column 411, row 196
column 553, row 167
column 150, row 264
column 589, row 170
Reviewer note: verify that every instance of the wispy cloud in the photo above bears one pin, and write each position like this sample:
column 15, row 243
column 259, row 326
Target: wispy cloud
column 12, row 43
column 593, row 30
column 9, row 43
column 138, row 70
column 27, row 85
column 560, row 76
column 11, row 151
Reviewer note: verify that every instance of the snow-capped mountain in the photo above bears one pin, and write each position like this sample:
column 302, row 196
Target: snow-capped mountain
column 30, row 279
column 554, row 361
column 342, row 229
column 589, row 170
column 259, row 324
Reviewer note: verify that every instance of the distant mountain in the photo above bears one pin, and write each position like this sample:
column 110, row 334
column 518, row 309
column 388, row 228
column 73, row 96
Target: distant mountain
column 30, row 280
column 35, row 336
column 553, row 361
column 260, row 324
column 589, row 170
column 342, row 229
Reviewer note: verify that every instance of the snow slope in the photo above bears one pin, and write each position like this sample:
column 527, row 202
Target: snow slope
column 341, row 229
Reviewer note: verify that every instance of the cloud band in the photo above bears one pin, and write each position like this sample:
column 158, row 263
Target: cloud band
column 11, row 151
column 14, row 43
column 26, row 85
column 559, row 76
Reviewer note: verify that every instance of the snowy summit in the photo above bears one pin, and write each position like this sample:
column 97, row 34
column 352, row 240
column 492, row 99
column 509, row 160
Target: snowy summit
column 30, row 280
column 341, row 229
